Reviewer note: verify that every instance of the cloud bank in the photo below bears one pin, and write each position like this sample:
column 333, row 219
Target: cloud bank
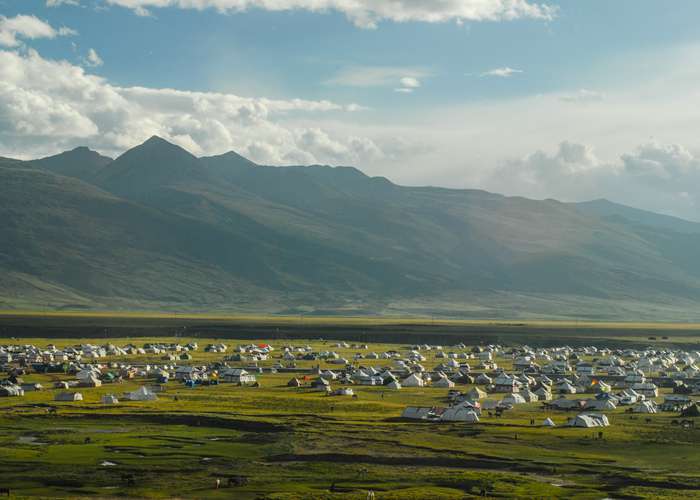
column 368, row 13
column 47, row 106
column 660, row 177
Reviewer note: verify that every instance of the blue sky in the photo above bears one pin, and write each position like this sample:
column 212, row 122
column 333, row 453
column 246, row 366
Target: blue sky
column 457, row 103
column 291, row 54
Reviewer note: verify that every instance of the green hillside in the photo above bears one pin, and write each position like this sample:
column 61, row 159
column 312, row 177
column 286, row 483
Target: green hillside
column 158, row 228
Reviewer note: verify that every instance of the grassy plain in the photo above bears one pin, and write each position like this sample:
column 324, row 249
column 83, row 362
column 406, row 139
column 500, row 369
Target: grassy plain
column 296, row 443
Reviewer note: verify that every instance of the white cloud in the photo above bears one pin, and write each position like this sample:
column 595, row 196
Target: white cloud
column 378, row 76
column 410, row 82
column 93, row 59
column 58, row 3
column 13, row 29
column 583, row 95
column 368, row 13
column 408, row 85
column 659, row 177
column 504, row 72
column 47, row 106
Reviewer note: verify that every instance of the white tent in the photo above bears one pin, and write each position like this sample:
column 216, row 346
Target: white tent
column 548, row 422
column 394, row 385
column 69, row 396
column 589, row 420
column 645, row 407
column 413, row 380
column 460, row 414
column 543, row 394
column 444, row 382
column 476, row 394
column 514, row 399
column 87, row 373
column 141, row 394
column 600, row 404
column 528, row 395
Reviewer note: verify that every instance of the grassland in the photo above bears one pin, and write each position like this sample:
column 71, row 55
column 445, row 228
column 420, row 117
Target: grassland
column 296, row 443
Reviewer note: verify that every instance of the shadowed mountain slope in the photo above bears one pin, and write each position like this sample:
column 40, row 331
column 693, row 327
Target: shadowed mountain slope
column 158, row 227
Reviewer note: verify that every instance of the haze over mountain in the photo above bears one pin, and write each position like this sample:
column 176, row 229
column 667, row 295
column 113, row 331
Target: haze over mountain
column 158, row 228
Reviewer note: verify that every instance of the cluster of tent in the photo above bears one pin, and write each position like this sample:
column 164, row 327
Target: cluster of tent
column 451, row 414
column 140, row 394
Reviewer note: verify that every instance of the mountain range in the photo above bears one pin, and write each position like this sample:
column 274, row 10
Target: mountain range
column 160, row 229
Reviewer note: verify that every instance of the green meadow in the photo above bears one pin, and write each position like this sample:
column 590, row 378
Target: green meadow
column 280, row 442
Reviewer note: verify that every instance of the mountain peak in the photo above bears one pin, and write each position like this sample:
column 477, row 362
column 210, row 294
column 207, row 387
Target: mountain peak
column 156, row 139
column 159, row 146
column 81, row 163
column 154, row 164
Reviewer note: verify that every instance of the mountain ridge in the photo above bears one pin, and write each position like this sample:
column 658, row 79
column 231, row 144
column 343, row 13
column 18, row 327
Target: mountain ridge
column 159, row 227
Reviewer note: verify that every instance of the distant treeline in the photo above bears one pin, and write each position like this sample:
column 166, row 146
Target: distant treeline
column 539, row 336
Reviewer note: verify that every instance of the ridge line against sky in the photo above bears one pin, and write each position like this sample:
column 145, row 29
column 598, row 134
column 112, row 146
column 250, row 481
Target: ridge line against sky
column 543, row 99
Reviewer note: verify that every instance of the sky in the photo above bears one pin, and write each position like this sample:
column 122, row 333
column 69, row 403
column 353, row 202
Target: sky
column 569, row 99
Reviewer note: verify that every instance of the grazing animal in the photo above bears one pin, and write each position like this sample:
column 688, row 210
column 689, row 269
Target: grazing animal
column 88, row 440
column 5, row 491
column 647, row 420
column 218, row 483
column 237, row 481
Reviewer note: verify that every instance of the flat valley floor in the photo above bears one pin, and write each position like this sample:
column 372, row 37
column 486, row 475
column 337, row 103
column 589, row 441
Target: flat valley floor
column 280, row 442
